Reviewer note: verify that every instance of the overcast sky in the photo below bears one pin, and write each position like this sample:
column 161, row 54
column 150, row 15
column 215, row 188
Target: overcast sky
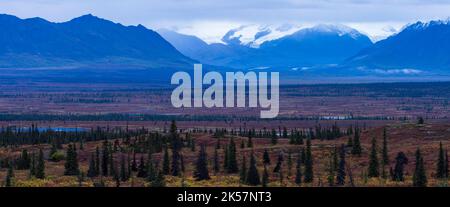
column 210, row 19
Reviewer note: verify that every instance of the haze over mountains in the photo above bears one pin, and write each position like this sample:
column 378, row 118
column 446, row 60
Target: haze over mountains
column 89, row 41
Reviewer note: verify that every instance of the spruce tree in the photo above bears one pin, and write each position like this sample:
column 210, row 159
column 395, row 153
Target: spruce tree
column 298, row 168
column 151, row 170
column 274, row 137
column 201, row 167
column 24, row 161
column 40, row 168
column 123, row 169
column 33, row 165
column 331, row 171
column 385, row 155
column 350, row 141
column 176, row 147
column 335, row 159
column 373, row 170
column 419, row 177
column 308, row 175
column 226, row 155
column 105, row 158
column 134, row 163
column 356, row 148
column 159, row 180
column 97, row 161
column 182, row 163
column 400, row 161
column 53, row 150
column 253, row 174
column 446, row 165
column 112, row 166
column 216, row 162
column 243, row 173
column 441, row 165
column 71, row 165
column 91, row 171
column 341, row 174
column 232, row 166
column 250, row 141
column 279, row 164
column 265, row 178
column 266, row 157
column 142, row 171
column 9, row 180
column 166, row 164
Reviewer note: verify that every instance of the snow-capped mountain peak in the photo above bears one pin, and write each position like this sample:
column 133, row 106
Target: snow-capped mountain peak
column 254, row 35
column 339, row 29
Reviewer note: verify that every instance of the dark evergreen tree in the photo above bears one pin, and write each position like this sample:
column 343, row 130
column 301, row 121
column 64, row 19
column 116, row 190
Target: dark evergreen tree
column 373, row 170
column 385, row 153
column 232, row 166
column 274, row 137
column 341, row 174
column 176, row 147
column 308, row 175
column 71, row 165
column 441, row 165
column 250, row 141
column 279, row 164
column 419, row 177
column 40, row 168
column 91, row 171
column 33, row 165
column 253, row 174
column 243, row 173
column 24, row 161
column 166, row 164
column 265, row 178
column 182, row 163
column 420, row 120
column 216, row 162
column 105, row 158
column 134, row 163
column 446, row 164
column 302, row 155
column 9, row 180
column 151, row 170
column 356, row 147
column 298, row 173
column 159, row 180
column 53, row 150
column 226, row 155
column 350, row 141
column 266, row 157
column 97, row 161
column 335, row 159
column 400, row 161
column 123, row 169
column 142, row 170
column 201, row 167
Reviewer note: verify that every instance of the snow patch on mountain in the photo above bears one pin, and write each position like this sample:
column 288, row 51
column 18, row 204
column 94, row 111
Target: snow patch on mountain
column 254, row 35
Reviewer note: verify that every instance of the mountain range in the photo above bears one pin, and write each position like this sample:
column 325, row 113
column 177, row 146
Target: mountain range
column 89, row 41
column 319, row 45
column 86, row 40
